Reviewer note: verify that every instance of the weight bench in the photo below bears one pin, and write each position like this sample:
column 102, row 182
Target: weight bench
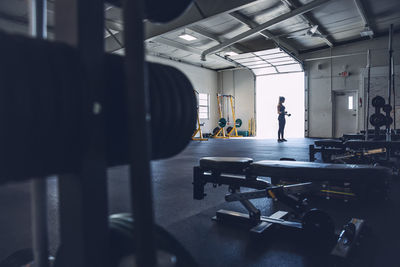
column 326, row 147
column 243, row 172
column 354, row 181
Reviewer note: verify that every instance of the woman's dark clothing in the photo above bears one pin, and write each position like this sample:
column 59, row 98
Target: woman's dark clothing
column 282, row 122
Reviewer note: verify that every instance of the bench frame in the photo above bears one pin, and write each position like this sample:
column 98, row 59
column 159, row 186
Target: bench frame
column 288, row 195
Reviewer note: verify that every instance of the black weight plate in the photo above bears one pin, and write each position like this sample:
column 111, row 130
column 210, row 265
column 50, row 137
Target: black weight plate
column 378, row 101
column 155, row 109
column 181, row 137
column 172, row 133
column 389, row 120
column 238, row 123
column 222, row 122
column 161, row 120
column 387, row 108
column 216, row 130
column 190, row 107
column 318, row 226
column 229, row 129
column 377, row 119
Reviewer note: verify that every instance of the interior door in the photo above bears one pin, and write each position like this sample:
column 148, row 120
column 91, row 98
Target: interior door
column 345, row 113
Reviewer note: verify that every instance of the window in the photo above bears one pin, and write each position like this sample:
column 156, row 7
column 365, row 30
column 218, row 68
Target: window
column 203, row 106
column 351, row 102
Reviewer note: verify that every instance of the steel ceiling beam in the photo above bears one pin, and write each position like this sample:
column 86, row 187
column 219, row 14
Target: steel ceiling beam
column 192, row 50
column 238, row 48
column 267, row 34
column 301, row 10
column 291, row 5
column 204, row 10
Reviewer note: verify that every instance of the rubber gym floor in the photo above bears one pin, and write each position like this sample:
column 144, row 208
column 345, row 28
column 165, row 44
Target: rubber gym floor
column 189, row 220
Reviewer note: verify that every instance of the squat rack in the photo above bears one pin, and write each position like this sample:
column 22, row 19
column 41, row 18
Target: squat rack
column 233, row 131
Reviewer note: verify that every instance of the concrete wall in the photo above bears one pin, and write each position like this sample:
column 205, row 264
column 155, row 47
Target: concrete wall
column 240, row 84
column 323, row 79
column 203, row 80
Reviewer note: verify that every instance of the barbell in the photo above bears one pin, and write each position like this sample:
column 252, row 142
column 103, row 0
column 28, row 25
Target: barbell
column 222, row 122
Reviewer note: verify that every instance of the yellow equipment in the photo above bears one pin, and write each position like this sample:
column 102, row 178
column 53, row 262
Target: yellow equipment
column 219, row 132
column 198, row 129
column 231, row 131
column 252, row 127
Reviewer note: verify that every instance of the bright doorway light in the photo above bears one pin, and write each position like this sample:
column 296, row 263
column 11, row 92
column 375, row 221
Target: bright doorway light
column 268, row 90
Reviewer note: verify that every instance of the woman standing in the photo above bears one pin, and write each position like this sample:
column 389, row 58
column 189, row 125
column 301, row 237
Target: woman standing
column 281, row 119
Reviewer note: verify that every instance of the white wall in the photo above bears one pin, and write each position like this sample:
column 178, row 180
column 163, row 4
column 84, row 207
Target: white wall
column 323, row 79
column 203, row 80
column 240, row 84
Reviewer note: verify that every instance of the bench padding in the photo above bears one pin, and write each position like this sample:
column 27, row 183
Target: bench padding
column 317, row 171
column 225, row 164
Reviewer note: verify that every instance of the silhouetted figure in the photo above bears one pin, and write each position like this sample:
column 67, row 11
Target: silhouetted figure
column 281, row 119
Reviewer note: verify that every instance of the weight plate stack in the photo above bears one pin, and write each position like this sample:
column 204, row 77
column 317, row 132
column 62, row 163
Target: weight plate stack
column 172, row 108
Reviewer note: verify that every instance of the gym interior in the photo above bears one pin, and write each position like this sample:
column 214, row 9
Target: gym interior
column 199, row 133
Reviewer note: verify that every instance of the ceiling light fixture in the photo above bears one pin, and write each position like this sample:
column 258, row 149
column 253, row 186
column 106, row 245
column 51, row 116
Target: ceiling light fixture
column 231, row 53
column 367, row 32
column 187, row 37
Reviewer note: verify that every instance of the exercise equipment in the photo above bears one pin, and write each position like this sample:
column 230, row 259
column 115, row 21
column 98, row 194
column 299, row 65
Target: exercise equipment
column 252, row 127
column 76, row 112
column 231, row 131
column 237, row 173
column 219, row 131
column 348, row 237
column 198, row 129
column 222, row 122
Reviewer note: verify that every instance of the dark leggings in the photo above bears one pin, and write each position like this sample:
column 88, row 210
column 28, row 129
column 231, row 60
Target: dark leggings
column 281, row 130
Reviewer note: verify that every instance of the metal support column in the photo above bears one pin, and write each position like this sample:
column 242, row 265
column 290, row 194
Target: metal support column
column 137, row 106
column 38, row 28
column 366, row 104
column 83, row 195
column 388, row 131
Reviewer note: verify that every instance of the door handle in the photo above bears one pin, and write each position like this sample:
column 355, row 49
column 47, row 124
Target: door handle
column 354, row 114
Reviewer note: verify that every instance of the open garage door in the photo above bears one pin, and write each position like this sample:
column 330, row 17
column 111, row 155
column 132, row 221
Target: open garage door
column 277, row 74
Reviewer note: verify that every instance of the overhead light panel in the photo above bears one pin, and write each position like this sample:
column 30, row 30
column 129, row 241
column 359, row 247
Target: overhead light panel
column 231, row 53
column 187, row 37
